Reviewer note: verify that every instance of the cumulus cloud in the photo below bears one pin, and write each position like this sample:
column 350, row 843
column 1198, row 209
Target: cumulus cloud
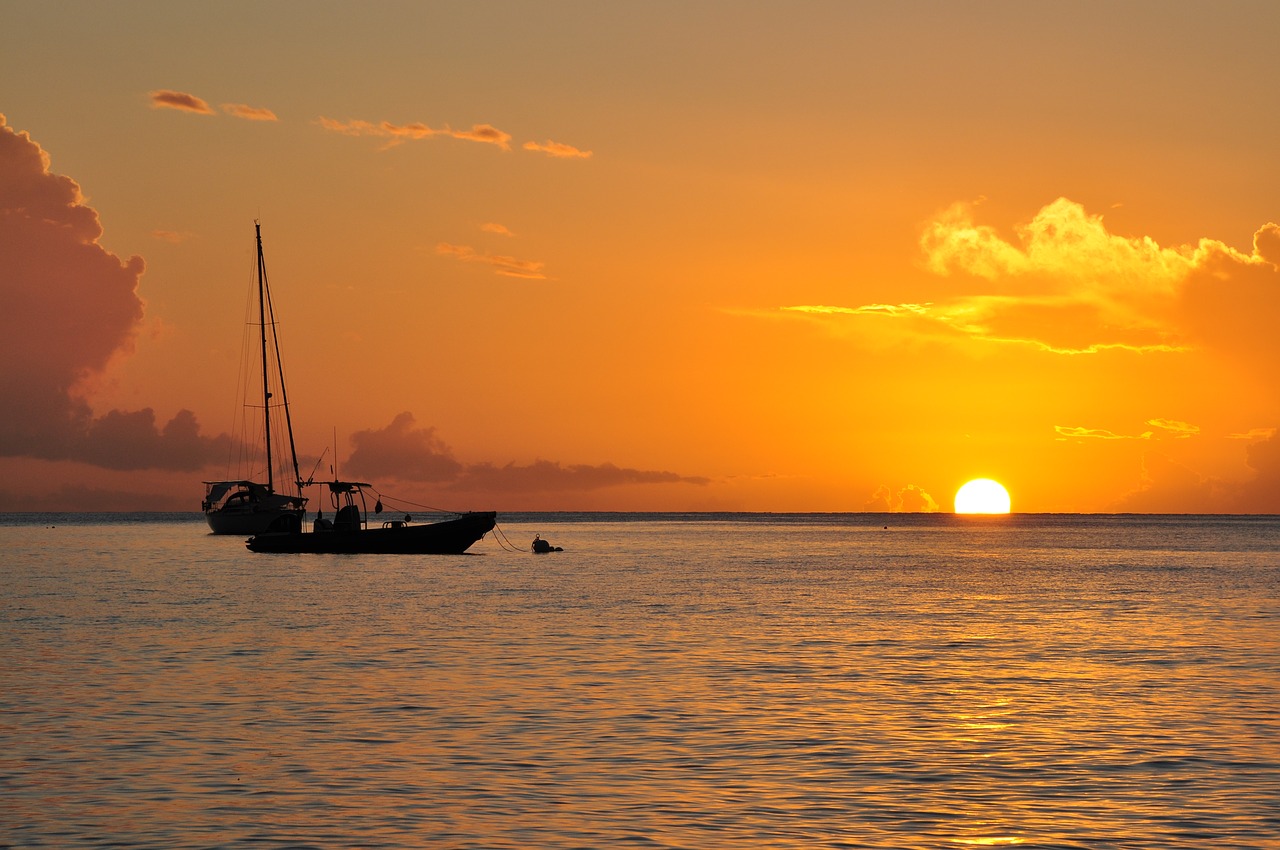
column 1230, row 301
column 1262, row 494
column 908, row 499
column 557, row 150
column 503, row 265
column 1066, row 285
column 398, row 133
column 169, row 99
column 403, row 451
column 1171, row 487
column 71, row 305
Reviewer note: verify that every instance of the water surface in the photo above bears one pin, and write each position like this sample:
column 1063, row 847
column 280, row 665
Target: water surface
column 674, row 681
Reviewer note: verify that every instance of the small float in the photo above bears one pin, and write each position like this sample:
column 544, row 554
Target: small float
column 541, row 546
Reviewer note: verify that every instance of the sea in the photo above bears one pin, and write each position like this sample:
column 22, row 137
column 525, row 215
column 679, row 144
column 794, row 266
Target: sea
column 665, row 681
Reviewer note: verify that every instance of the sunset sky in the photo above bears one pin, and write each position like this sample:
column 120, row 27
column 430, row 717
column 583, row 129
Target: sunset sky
column 650, row 256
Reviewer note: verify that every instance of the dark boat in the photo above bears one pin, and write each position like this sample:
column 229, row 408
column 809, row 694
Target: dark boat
column 350, row 532
column 243, row 506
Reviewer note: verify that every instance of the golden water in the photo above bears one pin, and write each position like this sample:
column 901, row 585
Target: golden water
column 706, row 682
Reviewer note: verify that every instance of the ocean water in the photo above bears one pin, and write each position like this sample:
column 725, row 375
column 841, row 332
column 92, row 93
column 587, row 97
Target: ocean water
column 667, row 681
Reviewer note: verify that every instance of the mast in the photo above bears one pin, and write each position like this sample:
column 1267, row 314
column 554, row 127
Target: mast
column 269, row 313
column 262, row 319
column 284, row 395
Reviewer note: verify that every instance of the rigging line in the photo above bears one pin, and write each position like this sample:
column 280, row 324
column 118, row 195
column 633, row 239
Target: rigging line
column 398, row 500
column 503, row 541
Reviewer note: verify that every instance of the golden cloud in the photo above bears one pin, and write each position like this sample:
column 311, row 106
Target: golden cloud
column 1177, row 428
column 249, row 113
column 503, row 265
column 169, row 99
column 908, row 499
column 1066, row 285
column 557, row 149
column 1078, row 433
column 397, row 133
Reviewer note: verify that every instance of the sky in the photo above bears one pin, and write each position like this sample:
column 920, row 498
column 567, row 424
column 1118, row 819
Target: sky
column 715, row 256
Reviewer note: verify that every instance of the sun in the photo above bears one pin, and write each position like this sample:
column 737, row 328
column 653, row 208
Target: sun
column 982, row 496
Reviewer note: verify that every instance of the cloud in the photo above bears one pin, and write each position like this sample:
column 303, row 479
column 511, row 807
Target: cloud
column 1078, row 433
column 1262, row 494
column 185, row 102
column 503, row 265
column 71, row 306
column 1230, row 301
column 1063, row 245
column 398, row 133
column 483, row 133
column 417, row 130
column 249, row 113
column 865, row 310
column 173, row 237
column 908, row 499
column 404, row 452
column 1254, row 434
column 168, row 99
column 549, row 476
column 1066, row 285
column 1178, row 429
column 557, row 150
column 1171, row 487
column 494, row 227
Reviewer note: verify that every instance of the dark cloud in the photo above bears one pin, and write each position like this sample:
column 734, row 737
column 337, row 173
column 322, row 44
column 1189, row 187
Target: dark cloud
column 403, row 452
column 548, row 476
column 407, row 453
column 1262, row 494
column 69, row 306
column 1170, row 487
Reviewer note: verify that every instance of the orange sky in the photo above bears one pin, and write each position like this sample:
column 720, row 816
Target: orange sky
column 615, row 256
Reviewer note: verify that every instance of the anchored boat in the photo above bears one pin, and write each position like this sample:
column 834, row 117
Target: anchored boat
column 245, row 506
column 350, row 530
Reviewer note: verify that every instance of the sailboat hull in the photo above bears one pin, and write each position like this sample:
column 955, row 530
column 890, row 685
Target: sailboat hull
column 248, row 523
column 447, row 537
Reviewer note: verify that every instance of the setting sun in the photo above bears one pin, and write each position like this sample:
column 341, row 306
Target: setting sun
column 982, row 496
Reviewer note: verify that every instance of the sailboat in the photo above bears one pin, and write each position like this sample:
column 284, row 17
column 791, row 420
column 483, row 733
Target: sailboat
column 245, row 506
